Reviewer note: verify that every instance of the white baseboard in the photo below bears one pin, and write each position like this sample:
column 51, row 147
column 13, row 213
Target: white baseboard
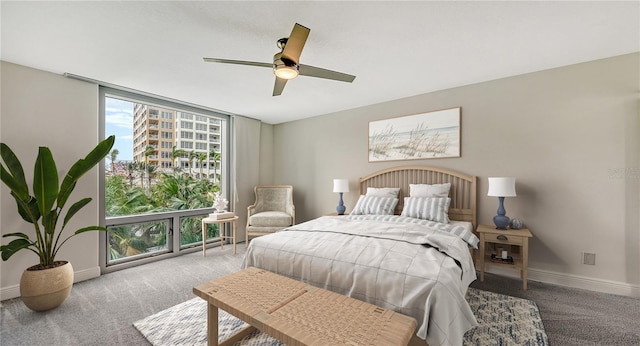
column 86, row 274
column 10, row 292
column 569, row 280
column 13, row 291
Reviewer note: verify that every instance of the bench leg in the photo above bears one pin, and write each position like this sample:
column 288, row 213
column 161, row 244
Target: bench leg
column 212, row 329
column 416, row 341
column 212, row 325
column 241, row 334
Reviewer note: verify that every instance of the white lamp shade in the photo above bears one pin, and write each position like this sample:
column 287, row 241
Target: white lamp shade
column 340, row 185
column 502, row 187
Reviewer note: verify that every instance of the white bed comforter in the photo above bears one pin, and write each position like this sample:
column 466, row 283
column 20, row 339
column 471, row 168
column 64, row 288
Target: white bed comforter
column 410, row 268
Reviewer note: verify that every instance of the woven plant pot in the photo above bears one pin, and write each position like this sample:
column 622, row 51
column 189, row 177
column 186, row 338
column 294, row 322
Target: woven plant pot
column 43, row 289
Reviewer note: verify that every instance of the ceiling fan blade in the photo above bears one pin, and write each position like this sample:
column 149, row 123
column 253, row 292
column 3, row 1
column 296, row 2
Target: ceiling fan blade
column 311, row 71
column 295, row 43
column 239, row 62
column 279, row 86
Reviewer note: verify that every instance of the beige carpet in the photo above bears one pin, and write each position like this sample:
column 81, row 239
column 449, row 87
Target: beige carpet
column 102, row 311
column 502, row 320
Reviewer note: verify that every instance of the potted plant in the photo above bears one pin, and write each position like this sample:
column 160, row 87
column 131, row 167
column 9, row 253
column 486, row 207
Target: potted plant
column 46, row 285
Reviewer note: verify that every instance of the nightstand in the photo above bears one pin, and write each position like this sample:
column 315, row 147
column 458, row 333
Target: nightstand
column 514, row 241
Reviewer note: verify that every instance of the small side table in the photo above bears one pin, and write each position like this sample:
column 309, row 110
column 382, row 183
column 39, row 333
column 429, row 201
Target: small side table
column 221, row 222
column 510, row 238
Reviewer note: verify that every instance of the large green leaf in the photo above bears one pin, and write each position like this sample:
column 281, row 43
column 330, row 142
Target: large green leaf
column 13, row 175
column 82, row 166
column 45, row 180
column 91, row 228
column 49, row 221
column 13, row 247
column 75, row 208
column 17, row 234
column 46, row 245
column 27, row 209
column 101, row 150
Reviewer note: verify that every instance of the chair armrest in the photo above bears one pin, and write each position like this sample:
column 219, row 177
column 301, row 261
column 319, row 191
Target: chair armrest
column 251, row 210
column 291, row 210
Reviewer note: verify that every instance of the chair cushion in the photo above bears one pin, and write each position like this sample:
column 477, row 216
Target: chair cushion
column 270, row 219
column 253, row 230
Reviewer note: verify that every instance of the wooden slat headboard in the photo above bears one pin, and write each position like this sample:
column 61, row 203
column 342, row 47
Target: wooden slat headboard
column 462, row 193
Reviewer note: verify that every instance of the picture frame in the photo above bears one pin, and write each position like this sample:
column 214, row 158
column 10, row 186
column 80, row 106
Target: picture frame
column 430, row 135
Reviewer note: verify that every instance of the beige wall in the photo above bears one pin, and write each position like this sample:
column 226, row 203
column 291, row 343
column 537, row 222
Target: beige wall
column 42, row 108
column 45, row 109
column 266, row 154
column 571, row 137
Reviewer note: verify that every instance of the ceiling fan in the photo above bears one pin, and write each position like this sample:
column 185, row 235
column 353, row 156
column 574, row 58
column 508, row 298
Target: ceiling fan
column 286, row 63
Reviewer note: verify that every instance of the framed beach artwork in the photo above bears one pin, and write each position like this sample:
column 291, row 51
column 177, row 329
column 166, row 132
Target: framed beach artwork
column 413, row 137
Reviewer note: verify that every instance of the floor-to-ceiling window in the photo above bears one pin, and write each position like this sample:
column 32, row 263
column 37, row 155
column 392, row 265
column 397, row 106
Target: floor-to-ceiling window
column 168, row 163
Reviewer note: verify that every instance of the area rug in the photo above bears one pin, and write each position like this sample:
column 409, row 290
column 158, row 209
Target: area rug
column 502, row 320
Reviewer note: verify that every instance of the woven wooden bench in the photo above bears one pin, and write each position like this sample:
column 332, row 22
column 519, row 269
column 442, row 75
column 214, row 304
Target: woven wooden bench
column 299, row 314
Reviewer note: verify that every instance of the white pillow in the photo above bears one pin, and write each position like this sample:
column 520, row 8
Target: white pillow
column 426, row 190
column 383, row 191
column 374, row 205
column 427, row 208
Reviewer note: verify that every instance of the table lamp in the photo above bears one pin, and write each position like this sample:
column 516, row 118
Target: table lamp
column 340, row 186
column 502, row 187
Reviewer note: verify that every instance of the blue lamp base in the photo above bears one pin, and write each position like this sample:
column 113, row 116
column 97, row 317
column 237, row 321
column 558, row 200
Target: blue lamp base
column 340, row 209
column 501, row 220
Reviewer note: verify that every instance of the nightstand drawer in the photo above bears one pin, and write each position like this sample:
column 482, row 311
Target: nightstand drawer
column 503, row 239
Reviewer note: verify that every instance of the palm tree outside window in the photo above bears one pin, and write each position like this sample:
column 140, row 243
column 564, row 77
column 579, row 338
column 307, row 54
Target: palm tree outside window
column 153, row 198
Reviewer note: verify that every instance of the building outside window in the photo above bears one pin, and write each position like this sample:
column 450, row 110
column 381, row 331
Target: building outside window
column 159, row 182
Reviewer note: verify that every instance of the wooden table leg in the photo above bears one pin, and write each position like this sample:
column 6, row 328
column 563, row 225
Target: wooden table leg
column 234, row 236
column 221, row 229
column 204, row 238
column 482, row 250
column 525, row 262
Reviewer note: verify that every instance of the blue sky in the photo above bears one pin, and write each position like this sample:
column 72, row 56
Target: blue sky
column 118, row 120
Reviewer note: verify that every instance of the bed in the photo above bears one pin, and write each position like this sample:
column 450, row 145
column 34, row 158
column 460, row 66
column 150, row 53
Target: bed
column 414, row 256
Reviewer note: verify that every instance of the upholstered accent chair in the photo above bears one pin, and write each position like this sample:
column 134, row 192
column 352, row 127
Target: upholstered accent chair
column 272, row 211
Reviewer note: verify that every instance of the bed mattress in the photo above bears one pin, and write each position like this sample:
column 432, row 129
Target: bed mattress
column 418, row 269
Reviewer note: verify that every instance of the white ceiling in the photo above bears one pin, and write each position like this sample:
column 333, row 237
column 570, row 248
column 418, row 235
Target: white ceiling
column 396, row 49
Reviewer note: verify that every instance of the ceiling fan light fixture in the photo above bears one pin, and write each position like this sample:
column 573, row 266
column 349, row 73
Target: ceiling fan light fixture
column 286, row 65
column 286, row 72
